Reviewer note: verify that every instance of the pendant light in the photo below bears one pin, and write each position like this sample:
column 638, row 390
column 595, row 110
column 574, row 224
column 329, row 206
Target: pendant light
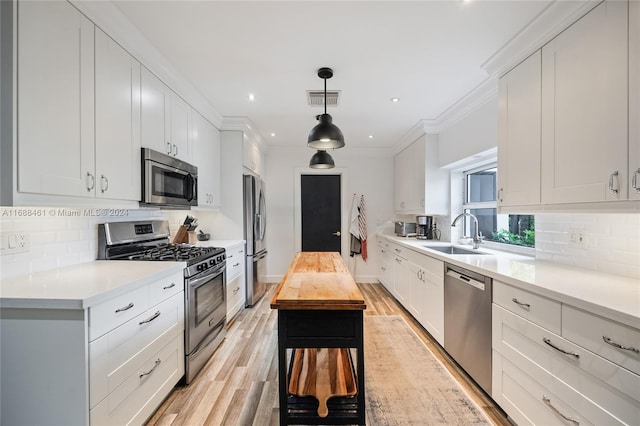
column 325, row 135
column 321, row 160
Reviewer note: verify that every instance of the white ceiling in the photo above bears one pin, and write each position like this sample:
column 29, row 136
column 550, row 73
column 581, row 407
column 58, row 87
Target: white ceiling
column 427, row 53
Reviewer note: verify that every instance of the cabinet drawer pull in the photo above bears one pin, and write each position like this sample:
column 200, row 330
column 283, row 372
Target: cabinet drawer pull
column 126, row 308
column 548, row 342
column 104, row 184
column 383, row 268
column 634, row 180
column 547, row 402
column 172, row 285
column 236, row 264
column 521, row 304
column 617, row 186
column 169, row 149
column 146, row 373
column 398, row 260
column 151, row 318
column 235, row 290
column 608, row 341
column 398, row 250
column 91, row 181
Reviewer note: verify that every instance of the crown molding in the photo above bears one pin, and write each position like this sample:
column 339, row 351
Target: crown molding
column 245, row 125
column 106, row 16
column 554, row 19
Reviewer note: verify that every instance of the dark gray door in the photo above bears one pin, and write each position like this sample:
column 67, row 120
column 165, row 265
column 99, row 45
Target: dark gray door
column 321, row 224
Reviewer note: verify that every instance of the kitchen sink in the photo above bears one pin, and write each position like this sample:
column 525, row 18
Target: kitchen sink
column 452, row 249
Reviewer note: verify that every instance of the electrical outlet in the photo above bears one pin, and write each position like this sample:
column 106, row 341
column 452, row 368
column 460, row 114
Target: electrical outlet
column 578, row 238
column 14, row 242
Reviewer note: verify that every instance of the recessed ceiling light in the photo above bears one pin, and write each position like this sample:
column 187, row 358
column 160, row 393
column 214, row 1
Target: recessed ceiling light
column 273, row 135
column 252, row 97
column 370, row 136
column 395, row 100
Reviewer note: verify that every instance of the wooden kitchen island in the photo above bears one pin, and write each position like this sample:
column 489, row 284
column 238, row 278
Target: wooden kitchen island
column 320, row 325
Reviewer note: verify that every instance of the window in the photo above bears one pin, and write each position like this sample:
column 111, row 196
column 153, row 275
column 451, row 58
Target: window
column 480, row 190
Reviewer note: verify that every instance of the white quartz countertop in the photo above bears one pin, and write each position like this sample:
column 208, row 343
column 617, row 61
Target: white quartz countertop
column 612, row 296
column 81, row 286
column 226, row 244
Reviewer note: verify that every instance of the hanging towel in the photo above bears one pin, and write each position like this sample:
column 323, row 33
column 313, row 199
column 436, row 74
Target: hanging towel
column 362, row 228
column 354, row 229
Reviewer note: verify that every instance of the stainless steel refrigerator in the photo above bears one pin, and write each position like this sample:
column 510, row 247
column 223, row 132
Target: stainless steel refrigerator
column 255, row 223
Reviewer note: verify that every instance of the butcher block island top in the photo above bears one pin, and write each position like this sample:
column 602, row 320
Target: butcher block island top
column 318, row 280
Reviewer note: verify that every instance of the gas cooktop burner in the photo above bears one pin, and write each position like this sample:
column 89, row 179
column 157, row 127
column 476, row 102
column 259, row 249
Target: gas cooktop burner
column 175, row 252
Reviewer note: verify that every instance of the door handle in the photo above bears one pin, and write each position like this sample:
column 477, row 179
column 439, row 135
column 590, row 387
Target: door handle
column 337, row 234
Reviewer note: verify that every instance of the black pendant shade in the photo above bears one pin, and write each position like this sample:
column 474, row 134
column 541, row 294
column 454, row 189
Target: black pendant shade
column 325, row 135
column 321, row 160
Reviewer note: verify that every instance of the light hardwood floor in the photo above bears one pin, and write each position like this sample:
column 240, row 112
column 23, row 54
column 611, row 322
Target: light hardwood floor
column 238, row 386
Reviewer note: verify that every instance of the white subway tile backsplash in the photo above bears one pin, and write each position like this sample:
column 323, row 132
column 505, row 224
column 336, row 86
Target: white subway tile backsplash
column 611, row 241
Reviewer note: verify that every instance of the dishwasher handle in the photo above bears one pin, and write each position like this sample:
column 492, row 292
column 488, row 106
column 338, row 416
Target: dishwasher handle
column 465, row 279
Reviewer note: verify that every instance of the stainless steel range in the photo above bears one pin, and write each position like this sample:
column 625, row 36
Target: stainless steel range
column 204, row 286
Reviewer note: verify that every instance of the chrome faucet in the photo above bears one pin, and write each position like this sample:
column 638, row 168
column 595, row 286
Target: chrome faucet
column 476, row 237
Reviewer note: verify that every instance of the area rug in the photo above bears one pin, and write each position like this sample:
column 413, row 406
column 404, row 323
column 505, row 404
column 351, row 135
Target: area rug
column 406, row 384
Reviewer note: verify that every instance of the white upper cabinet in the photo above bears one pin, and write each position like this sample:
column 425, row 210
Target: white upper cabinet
column 252, row 157
column 584, row 109
column 55, row 100
column 117, row 121
column 420, row 185
column 206, row 144
column 519, row 100
column 166, row 119
column 634, row 100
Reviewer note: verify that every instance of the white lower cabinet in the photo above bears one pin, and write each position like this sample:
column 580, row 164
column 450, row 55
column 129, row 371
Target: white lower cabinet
column 544, row 377
column 112, row 363
column 385, row 264
column 235, row 280
column 416, row 280
column 427, row 294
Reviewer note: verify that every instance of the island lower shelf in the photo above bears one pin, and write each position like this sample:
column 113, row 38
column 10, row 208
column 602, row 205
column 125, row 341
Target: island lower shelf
column 322, row 381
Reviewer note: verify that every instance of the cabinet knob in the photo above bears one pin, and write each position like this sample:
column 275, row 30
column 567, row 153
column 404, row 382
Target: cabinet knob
column 337, row 234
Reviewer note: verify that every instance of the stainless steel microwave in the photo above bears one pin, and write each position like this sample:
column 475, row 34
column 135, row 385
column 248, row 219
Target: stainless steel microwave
column 167, row 181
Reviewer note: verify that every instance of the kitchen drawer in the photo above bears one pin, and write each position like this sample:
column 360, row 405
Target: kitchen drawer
column 548, row 357
column 235, row 296
column 166, row 287
column 384, row 243
column 144, row 389
column 523, row 399
column 235, row 262
column 590, row 331
column 114, row 312
column 385, row 266
column 540, row 310
column 119, row 353
column 398, row 250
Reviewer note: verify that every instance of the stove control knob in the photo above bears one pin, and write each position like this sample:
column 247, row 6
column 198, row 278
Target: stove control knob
column 212, row 262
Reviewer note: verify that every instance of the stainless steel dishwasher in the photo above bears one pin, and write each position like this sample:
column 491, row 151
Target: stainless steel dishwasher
column 467, row 322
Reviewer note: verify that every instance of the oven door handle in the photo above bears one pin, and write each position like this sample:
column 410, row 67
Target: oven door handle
column 206, row 275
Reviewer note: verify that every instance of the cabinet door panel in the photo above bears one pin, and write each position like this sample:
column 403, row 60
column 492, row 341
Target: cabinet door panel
column 519, row 134
column 181, row 128
column 584, row 108
column 117, row 121
column 156, row 105
column 634, row 100
column 55, row 99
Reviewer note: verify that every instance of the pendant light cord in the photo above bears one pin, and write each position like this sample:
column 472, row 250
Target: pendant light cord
column 325, row 96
